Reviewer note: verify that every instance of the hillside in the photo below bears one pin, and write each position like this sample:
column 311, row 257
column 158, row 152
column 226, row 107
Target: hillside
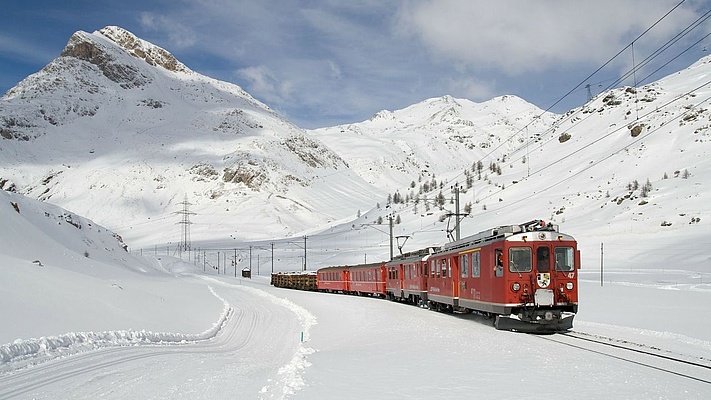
column 65, row 273
column 628, row 169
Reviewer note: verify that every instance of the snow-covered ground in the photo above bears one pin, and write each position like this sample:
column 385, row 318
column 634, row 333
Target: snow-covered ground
column 357, row 347
column 112, row 325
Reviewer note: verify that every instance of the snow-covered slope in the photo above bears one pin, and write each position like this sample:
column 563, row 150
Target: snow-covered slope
column 57, row 265
column 118, row 130
column 433, row 138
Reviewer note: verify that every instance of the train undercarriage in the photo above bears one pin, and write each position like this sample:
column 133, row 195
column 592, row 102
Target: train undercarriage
column 540, row 321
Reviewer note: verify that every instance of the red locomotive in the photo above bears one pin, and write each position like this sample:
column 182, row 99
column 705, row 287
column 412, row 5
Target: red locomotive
column 523, row 275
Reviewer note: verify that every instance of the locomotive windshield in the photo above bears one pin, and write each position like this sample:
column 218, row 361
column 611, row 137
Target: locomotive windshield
column 564, row 259
column 520, row 259
column 543, row 259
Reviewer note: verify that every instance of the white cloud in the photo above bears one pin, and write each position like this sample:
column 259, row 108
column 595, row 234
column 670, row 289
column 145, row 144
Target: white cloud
column 518, row 37
column 470, row 88
column 179, row 35
column 263, row 83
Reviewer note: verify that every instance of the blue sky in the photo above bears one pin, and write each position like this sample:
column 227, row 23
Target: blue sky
column 328, row 62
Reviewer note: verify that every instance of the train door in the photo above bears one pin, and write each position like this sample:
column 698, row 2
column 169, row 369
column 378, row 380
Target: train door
column 454, row 274
column 400, row 280
column 470, row 269
column 496, row 269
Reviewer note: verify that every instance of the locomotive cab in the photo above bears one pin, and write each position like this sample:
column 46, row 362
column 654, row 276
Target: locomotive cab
column 540, row 272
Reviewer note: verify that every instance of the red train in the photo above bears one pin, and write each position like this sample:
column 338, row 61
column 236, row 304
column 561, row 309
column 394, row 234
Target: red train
column 525, row 276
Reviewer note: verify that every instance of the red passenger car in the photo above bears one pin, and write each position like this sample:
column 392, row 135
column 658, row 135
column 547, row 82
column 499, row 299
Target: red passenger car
column 367, row 279
column 333, row 279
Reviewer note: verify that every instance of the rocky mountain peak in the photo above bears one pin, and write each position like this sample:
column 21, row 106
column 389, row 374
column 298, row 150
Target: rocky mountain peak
column 91, row 48
column 146, row 51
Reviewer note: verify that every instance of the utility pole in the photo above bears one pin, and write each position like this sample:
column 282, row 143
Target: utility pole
column 390, row 218
column 456, row 213
column 272, row 257
column 602, row 245
column 304, row 253
column 456, row 207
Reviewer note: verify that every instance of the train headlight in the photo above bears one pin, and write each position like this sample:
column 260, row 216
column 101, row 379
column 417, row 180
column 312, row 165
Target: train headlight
column 569, row 285
column 516, row 287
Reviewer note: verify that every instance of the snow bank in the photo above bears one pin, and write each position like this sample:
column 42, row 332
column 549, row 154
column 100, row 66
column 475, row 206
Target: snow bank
column 34, row 351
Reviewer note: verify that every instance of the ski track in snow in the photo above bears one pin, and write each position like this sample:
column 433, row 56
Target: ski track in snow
column 289, row 377
column 25, row 353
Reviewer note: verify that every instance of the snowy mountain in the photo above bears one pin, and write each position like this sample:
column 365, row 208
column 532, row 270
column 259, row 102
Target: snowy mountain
column 118, row 130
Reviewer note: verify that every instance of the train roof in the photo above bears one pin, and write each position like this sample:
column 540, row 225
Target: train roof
column 342, row 267
column 502, row 232
column 420, row 254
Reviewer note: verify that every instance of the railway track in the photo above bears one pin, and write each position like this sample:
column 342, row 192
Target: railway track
column 695, row 368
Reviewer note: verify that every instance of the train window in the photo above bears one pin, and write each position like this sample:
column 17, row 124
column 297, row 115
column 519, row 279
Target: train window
column 438, row 271
column 444, row 267
column 543, row 259
column 520, row 259
column 476, row 266
column 564, row 259
column 464, row 265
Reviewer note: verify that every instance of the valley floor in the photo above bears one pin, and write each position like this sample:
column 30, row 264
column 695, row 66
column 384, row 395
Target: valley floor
column 271, row 343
